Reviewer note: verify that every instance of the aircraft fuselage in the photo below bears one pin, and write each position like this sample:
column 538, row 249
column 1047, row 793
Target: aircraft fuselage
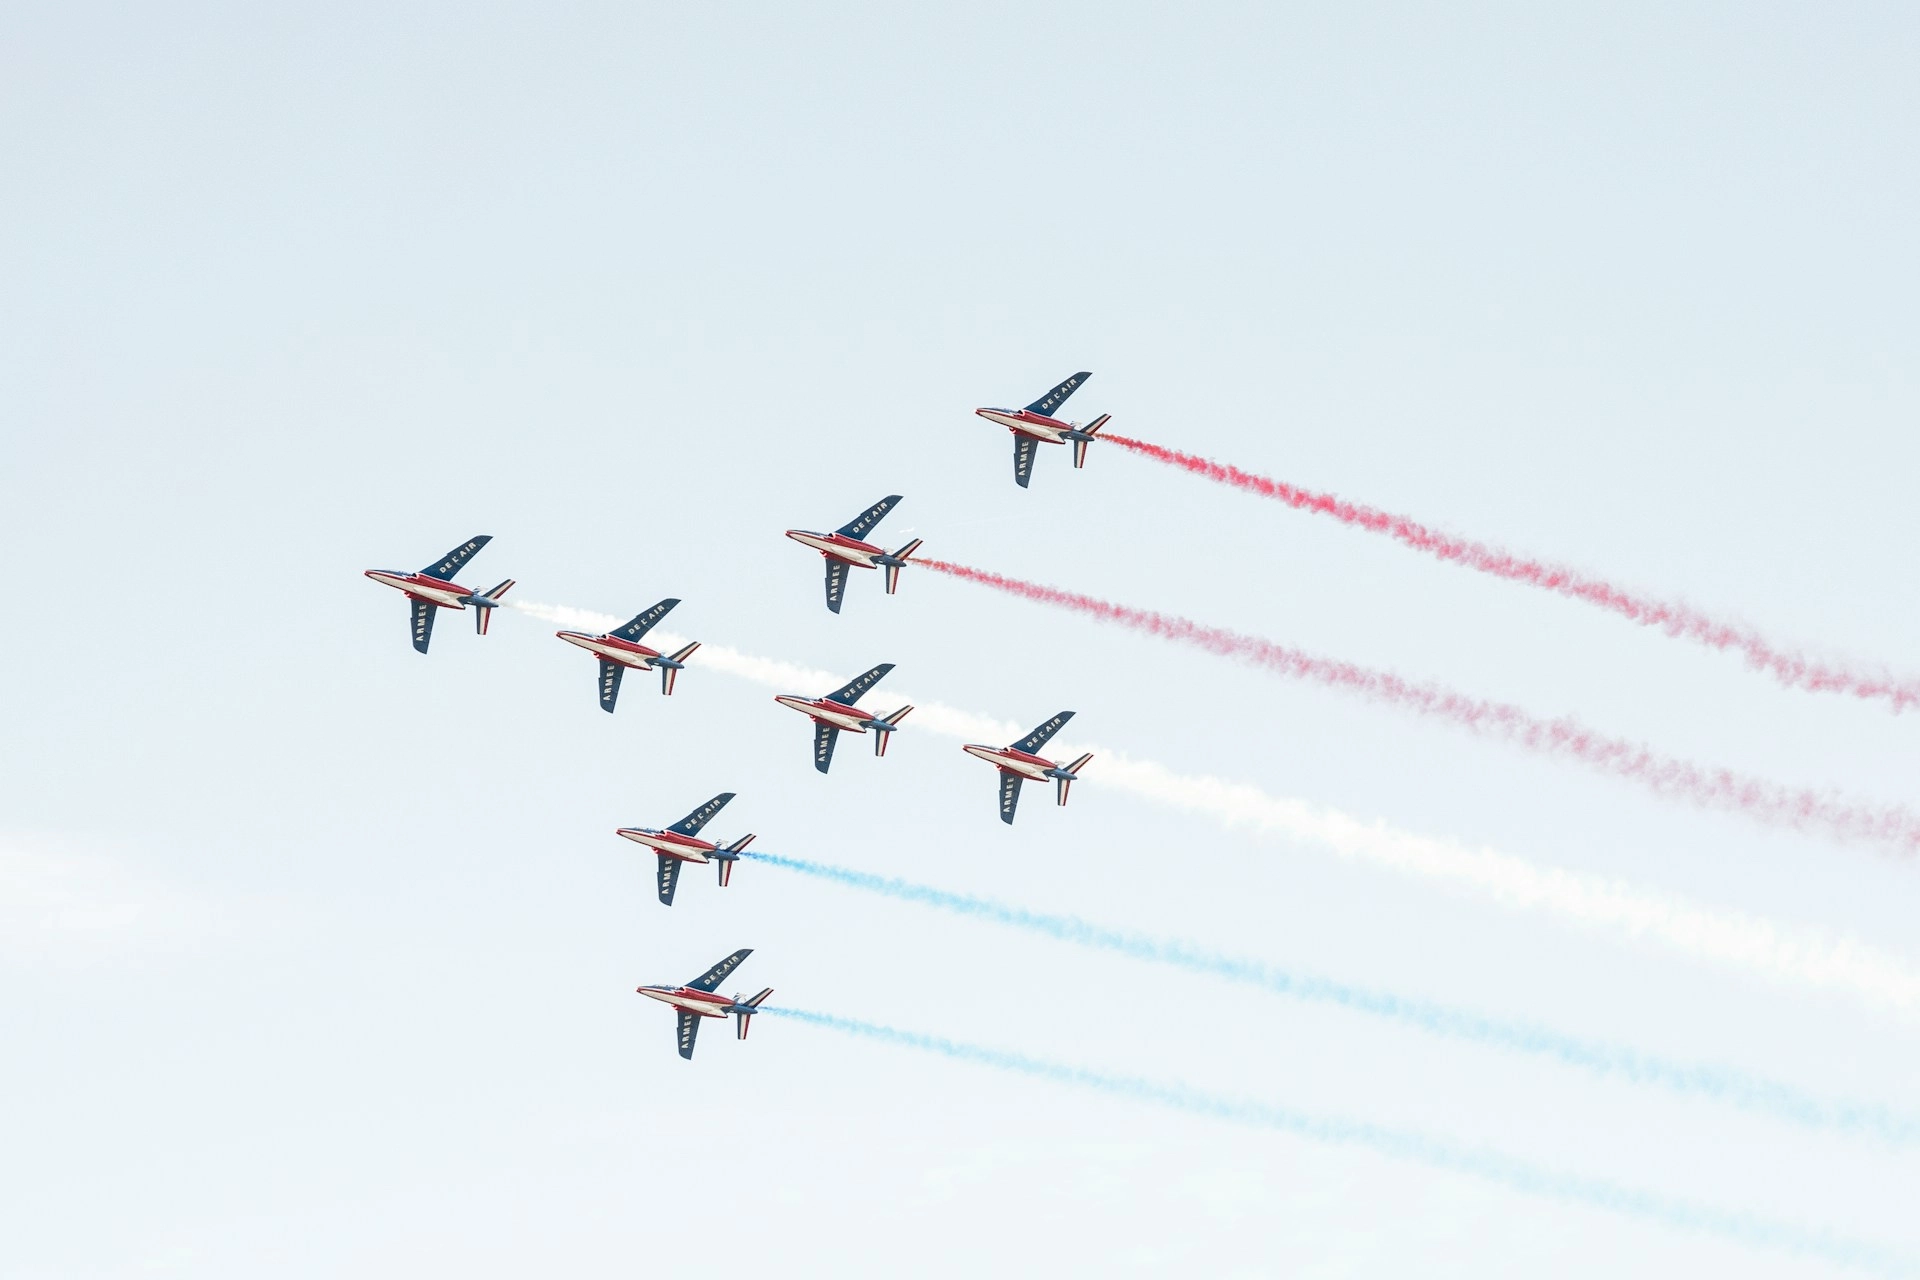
column 827, row 711
column 1025, row 422
column 1008, row 760
column 839, row 546
column 670, row 843
column 438, row 591
column 705, row 1003
column 625, row 652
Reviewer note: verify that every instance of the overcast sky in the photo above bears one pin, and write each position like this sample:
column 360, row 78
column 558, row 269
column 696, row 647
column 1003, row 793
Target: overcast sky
column 317, row 956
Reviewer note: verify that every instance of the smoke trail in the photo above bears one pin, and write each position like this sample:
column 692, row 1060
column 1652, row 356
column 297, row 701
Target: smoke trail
column 1735, row 939
column 1676, row 619
column 1769, row 1097
column 1479, row 1162
column 1709, row 787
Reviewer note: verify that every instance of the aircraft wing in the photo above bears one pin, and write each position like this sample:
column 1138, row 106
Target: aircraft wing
column 610, row 673
column 688, row 1029
column 824, row 736
column 691, row 824
column 1038, row 738
column 1009, row 795
column 858, row 526
column 1024, row 447
column 644, row 622
column 849, row 693
column 423, row 611
column 1058, row 396
column 669, row 878
column 837, row 571
column 446, row 566
column 709, row 980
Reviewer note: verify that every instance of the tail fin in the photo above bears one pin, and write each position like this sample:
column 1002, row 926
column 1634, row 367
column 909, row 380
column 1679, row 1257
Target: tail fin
column 671, row 667
column 725, row 863
column 483, row 613
column 1081, row 441
column 1063, row 780
column 897, row 561
column 892, row 722
column 743, row 1009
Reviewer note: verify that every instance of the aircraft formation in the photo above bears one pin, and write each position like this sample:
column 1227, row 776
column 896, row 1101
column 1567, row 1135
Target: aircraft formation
column 433, row 588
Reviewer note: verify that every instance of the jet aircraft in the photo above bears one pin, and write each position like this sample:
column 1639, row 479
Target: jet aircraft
column 844, row 549
column 1035, row 425
column 1018, row 762
column 837, row 711
column 680, row 843
column 696, row 1000
column 621, row 648
column 433, row 589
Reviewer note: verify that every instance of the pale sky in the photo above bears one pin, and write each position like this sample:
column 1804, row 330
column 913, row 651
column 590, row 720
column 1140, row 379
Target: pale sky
column 318, row 956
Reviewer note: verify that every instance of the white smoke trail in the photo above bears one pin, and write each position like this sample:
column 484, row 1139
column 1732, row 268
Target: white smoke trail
column 1726, row 937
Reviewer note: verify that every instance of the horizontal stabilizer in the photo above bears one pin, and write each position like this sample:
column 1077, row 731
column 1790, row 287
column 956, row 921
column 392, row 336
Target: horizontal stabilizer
column 744, row 1009
column 884, row 727
column 483, row 606
column 897, row 561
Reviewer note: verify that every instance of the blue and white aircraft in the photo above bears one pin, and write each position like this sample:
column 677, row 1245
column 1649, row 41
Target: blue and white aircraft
column 845, row 549
column 433, row 589
column 836, row 711
column 620, row 649
column 678, row 844
column 1035, row 425
column 1017, row 763
column 696, row 1000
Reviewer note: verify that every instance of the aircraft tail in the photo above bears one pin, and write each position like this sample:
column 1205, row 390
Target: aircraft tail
column 1063, row 778
column 671, row 667
column 725, row 858
column 883, row 728
column 1084, row 437
column 484, row 605
column 745, row 1009
column 898, row 561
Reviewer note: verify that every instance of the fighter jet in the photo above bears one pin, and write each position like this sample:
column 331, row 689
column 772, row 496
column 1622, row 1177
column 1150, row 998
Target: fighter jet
column 621, row 648
column 1018, row 762
column 678, row 844
column 843, row 549
column 1035, row 425
column 837, row 711
column 696, row 1000
column 433, row 589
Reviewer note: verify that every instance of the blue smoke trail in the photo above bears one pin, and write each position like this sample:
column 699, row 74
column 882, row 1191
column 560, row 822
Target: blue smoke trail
column 1751, row 1093
column 1479, row 1162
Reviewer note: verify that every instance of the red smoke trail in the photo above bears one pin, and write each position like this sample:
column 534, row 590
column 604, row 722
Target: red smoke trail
column 1675, row 619
column 1709, row 787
